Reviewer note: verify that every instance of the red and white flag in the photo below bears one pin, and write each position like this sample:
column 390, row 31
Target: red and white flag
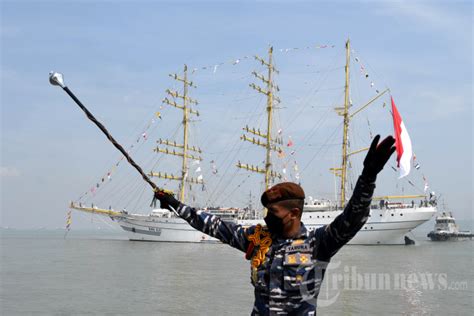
column 402, row 142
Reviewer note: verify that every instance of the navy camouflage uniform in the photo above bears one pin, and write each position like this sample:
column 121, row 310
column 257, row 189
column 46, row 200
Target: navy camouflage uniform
column 289, row 275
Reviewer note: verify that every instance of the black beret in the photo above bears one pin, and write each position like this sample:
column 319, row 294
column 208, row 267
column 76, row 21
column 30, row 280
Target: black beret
column 282, row 192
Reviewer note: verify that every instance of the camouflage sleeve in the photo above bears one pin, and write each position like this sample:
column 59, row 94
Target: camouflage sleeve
column 332, row 237
column 229, row 233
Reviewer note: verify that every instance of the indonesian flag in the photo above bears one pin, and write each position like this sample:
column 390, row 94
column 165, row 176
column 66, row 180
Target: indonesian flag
column 402, row 142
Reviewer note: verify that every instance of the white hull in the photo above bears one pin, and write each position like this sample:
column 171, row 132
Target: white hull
column 172, row 229
column 384, row 226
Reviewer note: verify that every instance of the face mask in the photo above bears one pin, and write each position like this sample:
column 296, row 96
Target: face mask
column 274, row 223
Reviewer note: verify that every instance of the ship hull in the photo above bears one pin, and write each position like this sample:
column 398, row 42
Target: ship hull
column 172, row 229
column 384, row 226
column 435, row 236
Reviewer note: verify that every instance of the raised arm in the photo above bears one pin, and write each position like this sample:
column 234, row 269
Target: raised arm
column 346, row 225
column 227, row 232
column 332, row 237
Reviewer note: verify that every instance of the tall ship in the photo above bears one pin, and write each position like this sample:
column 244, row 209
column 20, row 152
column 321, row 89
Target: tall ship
column 391, row 217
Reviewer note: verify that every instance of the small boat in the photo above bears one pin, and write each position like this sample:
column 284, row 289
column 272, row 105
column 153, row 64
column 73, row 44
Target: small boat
column 446, row 229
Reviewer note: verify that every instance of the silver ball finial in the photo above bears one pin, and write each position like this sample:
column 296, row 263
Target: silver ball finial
column 56, row 79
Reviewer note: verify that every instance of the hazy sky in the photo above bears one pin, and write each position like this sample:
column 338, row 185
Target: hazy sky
column 117, row 57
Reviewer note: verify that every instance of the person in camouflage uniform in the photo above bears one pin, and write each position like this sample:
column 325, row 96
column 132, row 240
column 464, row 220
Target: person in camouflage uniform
column 288, row 261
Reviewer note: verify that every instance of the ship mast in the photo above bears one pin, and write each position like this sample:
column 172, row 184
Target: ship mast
column 268, row 163
column 269, row 144
column 344, row 112
column 184, row 168
column 346, row 127
column 184, row 148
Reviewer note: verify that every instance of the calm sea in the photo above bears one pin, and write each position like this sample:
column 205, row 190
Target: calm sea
column 102, row 273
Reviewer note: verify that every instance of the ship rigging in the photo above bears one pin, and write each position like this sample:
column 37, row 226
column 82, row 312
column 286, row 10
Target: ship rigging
column 389, row 220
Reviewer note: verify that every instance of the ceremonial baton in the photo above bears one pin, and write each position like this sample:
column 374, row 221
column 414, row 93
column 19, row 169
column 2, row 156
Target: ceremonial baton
column 56, row 79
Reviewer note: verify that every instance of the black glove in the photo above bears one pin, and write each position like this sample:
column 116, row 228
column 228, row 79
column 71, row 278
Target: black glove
column 378, row 156
column 166, row 200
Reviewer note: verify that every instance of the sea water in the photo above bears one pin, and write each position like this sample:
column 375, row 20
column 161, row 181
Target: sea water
column 102, row 273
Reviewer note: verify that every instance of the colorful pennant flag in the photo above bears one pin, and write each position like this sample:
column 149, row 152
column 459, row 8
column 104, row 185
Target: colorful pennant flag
column 290, row 142
column 416, row 165
column 426, row 184
column 68, row 221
